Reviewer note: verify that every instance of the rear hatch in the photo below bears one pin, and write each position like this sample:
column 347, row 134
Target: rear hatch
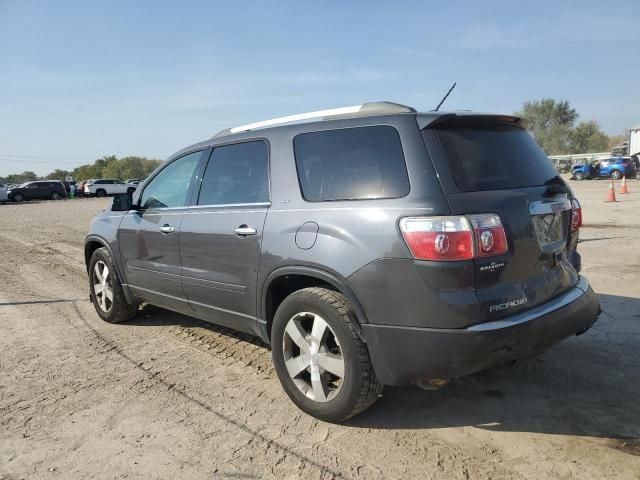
column 490, row 164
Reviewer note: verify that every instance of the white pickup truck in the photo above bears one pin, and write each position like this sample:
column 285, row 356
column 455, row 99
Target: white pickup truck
column 107, row 186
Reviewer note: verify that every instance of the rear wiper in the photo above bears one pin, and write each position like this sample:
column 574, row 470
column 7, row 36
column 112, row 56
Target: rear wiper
column 555, row 185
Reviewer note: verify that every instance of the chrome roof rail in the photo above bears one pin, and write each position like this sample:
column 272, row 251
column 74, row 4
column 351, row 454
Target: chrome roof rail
column 371, row 108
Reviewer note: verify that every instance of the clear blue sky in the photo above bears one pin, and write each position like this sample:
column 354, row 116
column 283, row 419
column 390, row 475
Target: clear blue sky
column 83, row 79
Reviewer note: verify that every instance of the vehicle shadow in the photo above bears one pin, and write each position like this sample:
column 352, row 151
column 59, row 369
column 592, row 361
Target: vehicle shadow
column 25, row 202
column 150, row 315
column 586, row 386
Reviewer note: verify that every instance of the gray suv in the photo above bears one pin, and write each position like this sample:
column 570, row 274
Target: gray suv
column 369, row 245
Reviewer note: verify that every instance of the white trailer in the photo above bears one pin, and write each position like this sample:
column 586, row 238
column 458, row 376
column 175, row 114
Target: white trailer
column 634, row 140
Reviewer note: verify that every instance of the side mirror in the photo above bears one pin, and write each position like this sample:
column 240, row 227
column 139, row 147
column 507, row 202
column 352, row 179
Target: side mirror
column 122, row 202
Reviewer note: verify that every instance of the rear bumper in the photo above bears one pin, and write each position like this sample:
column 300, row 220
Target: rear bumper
column 404, row 354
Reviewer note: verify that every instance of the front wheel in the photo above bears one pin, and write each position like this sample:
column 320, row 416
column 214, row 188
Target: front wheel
column 18, row 197
column 578, row 176
column 106, row 290
column 322, row 363
column 616, row 175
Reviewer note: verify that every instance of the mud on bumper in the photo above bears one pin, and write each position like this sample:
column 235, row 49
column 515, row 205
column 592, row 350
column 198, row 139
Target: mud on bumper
column 404, row 354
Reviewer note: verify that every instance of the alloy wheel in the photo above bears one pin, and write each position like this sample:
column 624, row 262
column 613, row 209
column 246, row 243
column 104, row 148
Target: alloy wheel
column 313, row 356
column 102, row 286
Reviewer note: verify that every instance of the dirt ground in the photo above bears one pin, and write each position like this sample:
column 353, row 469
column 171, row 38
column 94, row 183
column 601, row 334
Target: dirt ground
column 166, row 396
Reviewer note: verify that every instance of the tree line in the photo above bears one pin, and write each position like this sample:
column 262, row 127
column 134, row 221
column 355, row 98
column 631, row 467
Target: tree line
column 105, row 167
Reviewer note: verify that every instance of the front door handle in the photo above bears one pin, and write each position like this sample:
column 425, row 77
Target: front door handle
column 165, row 229
column 244, row 230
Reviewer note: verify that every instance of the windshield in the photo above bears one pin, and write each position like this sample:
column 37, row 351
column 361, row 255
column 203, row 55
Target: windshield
column 495, row 158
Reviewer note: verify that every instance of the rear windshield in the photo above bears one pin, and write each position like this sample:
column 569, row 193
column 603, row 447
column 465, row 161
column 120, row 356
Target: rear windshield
column 494, row 158
column 351, row 164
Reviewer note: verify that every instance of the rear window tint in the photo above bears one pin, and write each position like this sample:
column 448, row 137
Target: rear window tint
column 494, row 158
column 351, row 164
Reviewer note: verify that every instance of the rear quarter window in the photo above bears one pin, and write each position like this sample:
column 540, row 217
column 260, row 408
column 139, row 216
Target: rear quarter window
column 351, row 164
column 494, row 158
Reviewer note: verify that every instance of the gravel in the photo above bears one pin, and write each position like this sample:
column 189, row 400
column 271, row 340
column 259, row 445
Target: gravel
column 167, row 396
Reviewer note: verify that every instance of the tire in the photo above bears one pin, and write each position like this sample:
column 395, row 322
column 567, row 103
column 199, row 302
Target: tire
column 578, row 176
column 55, row 196
column 338, row 399
column 101, row 192
column 130, row 190
column 616, row 174
column 18, row 197
column 117, row 309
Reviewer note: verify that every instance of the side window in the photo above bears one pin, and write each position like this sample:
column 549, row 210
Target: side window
column 237, row 173
column 351, row 164
column 169, row 188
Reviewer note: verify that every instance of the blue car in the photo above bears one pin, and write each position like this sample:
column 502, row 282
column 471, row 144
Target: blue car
column 612, row 167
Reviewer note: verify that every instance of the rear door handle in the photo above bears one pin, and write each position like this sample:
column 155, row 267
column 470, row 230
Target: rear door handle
column 165, row 229
column 244, row 230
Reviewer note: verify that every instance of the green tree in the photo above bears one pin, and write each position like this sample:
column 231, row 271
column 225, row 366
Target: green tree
column 23, row 177
column 58, row 174
column 550, row 122
column 588, row 137
column 553, row 124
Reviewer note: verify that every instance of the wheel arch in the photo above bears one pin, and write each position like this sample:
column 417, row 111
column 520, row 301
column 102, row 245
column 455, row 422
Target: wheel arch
column 285, row 280
column 94, row 242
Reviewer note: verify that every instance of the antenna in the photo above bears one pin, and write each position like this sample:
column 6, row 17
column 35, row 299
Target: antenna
column 445, row 97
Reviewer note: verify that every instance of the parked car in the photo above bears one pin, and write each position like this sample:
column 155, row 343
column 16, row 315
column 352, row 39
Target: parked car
column 134, row 181
column 612, row 167
column 39, row 190
column 3, row 192
column 369, row 246
column 107, row 186
column 80, row 186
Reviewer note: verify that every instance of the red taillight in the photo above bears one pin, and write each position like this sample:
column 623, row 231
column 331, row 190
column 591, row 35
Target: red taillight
column 576, row 215
column 454, row 237
column 438, row 238
column 490, row 237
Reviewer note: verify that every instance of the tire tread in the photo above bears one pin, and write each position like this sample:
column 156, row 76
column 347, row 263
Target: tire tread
column 371, row 388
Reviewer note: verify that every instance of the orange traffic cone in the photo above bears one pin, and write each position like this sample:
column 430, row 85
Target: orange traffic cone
column 611, row 194
column 623, row 187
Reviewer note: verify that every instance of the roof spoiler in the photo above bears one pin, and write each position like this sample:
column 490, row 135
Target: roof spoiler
column 434, row 120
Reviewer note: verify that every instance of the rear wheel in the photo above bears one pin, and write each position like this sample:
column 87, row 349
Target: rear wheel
column 106, row 290
column 55, row 196
column 616, row 174
column 323, row 365
column 101, row 192
column 578, row 176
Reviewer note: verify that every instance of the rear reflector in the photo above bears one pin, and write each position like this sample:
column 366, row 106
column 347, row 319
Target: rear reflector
column 576, row 215
column 454, row 237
